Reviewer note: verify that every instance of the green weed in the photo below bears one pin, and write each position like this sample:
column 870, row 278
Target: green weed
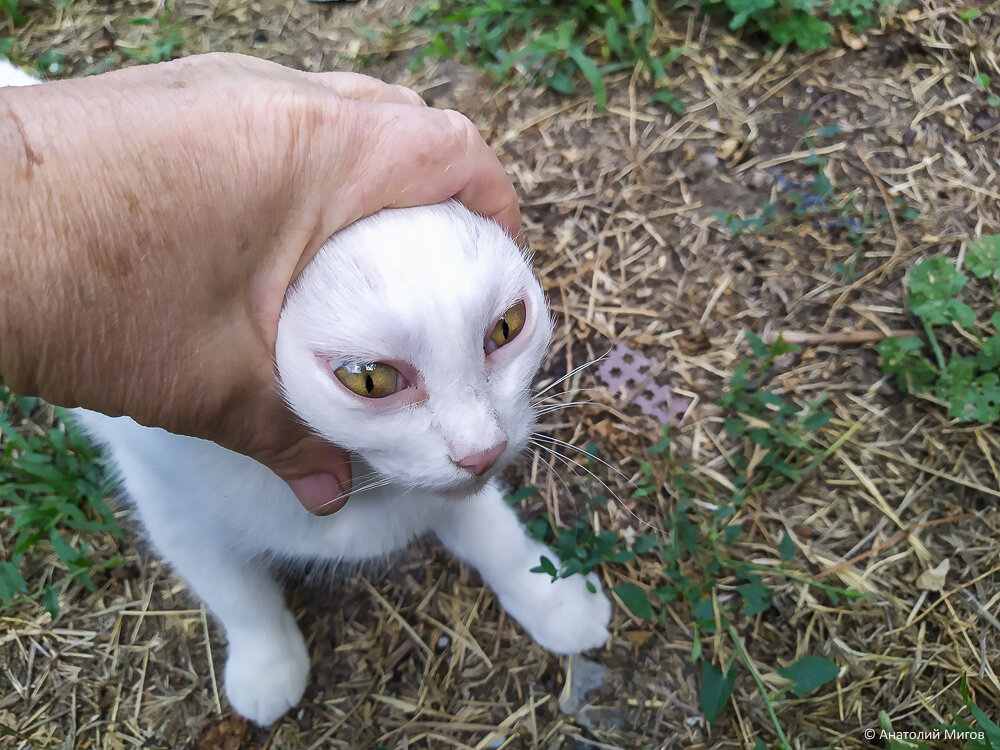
column 967, row 382
column 804, row 23
column 162, row 41
column 551, row 42
column 51, row 484
column 985, row 735
column 819, row 202
column 983, row 81
column 696, row 566
column 971, row 14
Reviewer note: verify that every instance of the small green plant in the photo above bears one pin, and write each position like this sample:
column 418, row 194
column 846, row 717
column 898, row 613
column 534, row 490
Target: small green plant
column 161, row 44
column 971, row 14
column 15, row 9
column 804, row 23
column 983, row 81
column 817, row 202
column 51, row 483
column 695, row 563
column 966, row 382
column 550, row 42
column 985, row 735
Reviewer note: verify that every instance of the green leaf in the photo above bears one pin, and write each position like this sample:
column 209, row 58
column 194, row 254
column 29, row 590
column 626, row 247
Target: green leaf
column 519, row 495
column 981, row 80
column 983, row 258
column 704, row 614
column 903, row 358
column 757, row 345
column 809, row 673
column 645, row 543
column 634, row 597
column 50, row 598
column 11, row 582
column 591, row 73
column 933, row 284
column 70, row 557
column 975, row 400
column 970, row 14
column 545, row 566
column 614, row 37
column 756, row 598
column 816, row 420
column 715, row 689
column 822, row 185
column 787, row 547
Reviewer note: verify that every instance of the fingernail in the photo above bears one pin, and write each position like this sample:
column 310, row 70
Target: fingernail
column 321, row 494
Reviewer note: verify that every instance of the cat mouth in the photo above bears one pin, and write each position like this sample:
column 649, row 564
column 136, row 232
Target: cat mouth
column 465, row 488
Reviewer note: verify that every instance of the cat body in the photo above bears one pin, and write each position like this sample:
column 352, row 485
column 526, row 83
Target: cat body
column 422, row 288
column 410, row 340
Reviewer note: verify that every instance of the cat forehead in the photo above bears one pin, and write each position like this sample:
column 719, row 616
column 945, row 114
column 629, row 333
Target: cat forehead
column 441, row 259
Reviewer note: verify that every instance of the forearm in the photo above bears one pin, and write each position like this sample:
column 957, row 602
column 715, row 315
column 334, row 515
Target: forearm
column 44, row 205
column 92, row 231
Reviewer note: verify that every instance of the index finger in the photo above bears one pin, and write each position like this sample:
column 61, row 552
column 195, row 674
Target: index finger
column 417, row 156
column 488, row 190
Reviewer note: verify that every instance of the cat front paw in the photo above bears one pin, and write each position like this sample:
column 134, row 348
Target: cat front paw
column 563, row 616
column 266, row 672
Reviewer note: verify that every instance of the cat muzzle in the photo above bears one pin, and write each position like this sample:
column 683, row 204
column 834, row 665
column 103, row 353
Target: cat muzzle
column 481, row 462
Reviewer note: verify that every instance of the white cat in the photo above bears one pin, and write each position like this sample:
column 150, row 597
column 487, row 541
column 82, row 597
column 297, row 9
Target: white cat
column 411, row 340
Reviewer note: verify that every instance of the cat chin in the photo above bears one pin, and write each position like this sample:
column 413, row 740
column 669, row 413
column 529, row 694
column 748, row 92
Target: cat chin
column 467, row 490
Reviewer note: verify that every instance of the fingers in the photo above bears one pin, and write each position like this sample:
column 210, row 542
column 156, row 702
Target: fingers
column 489, row 193
column 411, row 156
column 365, row 88
column 318, row 472
column 321, row 478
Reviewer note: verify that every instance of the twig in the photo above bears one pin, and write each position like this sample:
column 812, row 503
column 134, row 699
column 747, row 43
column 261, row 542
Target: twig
column 894, row 539
column 807, row 338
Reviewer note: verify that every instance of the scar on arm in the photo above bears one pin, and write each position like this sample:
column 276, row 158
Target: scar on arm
column 31, row 156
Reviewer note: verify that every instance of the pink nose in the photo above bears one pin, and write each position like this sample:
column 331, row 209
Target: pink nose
column 480, row 463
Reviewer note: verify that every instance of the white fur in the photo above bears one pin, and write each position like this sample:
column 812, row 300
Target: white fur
column 421, row 287
column 11, row 75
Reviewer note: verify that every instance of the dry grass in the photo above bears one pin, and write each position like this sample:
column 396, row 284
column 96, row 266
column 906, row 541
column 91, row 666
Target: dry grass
column 619, row 208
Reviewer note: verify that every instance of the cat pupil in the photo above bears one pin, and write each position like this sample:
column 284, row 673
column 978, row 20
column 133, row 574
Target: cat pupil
column 369, row 383
column 506, row 328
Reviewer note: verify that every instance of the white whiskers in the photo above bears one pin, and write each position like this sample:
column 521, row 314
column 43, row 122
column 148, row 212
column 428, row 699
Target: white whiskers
column 537, row 397
column 571, row 462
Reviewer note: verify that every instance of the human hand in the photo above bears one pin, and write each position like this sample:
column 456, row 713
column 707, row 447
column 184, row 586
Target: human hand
column 154, row 217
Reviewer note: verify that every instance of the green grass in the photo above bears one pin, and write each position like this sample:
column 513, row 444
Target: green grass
column 695, row 568
column 551, row 42
column 159, row 39
column 52, row 490
column 560, row 43
column 808, row 24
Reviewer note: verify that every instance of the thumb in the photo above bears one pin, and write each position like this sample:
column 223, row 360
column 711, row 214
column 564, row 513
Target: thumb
column 320, row 477
column 318, row 472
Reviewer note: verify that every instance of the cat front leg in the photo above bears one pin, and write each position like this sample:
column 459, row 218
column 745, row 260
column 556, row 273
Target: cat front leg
column 562, row 616
column 267, row 664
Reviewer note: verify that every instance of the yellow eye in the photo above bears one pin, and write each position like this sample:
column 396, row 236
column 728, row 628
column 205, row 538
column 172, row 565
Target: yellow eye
column 369, row 379
column 507, row 328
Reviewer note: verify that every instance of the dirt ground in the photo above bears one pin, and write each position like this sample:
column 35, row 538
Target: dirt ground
column 619, row 209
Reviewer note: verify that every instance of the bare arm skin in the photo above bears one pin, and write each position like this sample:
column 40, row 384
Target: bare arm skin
column 151, row 220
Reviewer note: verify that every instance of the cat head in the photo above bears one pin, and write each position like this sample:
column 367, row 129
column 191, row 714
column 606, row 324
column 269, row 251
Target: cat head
column 412, row 339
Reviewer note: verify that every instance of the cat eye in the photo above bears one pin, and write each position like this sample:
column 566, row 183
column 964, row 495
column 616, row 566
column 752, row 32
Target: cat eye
column 369, row 379
column 506, row 329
